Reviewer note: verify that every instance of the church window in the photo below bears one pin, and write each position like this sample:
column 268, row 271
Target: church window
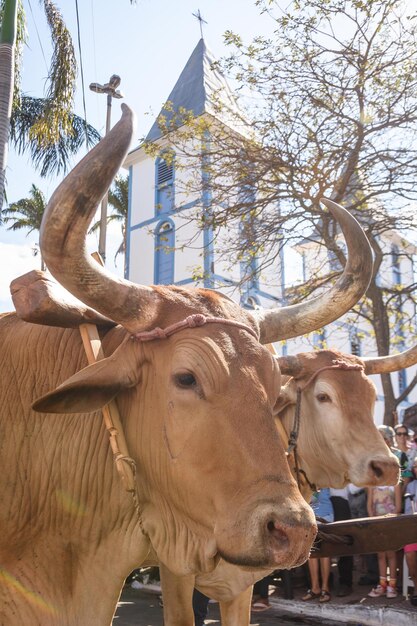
column 164, row 253
column 164, row 196
column 396, row 267
column 402, row 380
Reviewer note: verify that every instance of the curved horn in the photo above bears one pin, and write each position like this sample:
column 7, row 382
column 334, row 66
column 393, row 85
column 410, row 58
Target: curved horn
column 289, row 365
column 64, row 227
column 390, row 363
column 298, row 319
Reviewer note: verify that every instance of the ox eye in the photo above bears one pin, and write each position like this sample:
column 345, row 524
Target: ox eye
column 323, row 397
column 186, row 380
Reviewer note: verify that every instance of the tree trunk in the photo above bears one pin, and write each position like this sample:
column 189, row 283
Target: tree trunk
column 7, row 48
column 382, row 338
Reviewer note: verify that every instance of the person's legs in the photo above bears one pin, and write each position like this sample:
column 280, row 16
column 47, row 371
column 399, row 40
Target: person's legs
column 358, row 509
column 261, row 594
column 381, row 588
column 314, row 591
column 200, row 607
column 411, row 558
column 345, row 563
column 392, row 582
column 325, row 564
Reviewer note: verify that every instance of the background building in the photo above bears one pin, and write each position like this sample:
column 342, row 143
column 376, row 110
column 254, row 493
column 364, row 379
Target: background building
column 163, row 196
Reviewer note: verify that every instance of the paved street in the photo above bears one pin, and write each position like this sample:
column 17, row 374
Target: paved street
column 138, row 608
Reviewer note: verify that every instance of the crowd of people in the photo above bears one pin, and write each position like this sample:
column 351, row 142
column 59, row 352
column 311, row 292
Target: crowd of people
column 355, row 502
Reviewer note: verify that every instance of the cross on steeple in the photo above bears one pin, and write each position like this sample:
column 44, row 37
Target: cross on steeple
column 201, row 20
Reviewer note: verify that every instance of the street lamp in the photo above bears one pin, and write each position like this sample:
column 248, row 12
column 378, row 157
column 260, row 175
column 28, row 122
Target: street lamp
column 110, row 89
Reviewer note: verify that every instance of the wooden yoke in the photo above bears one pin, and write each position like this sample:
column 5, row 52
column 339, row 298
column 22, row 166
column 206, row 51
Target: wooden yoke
column 125, row 465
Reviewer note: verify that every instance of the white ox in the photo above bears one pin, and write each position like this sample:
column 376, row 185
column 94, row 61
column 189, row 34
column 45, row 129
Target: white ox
column 337, row 443
column 196, row 408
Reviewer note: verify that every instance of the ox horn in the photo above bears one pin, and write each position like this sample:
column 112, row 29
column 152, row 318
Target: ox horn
column 64, row 227
column 390, row 363
column 298, row 319
column 289, row 365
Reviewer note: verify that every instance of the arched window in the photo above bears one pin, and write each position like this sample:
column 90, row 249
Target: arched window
column 164, row 253
column 250, row 302
column 164, row 184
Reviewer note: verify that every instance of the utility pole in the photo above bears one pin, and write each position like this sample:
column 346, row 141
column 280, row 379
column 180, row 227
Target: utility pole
column 110, row 89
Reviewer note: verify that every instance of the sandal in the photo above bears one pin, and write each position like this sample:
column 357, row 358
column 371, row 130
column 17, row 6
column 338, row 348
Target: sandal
column 325, row 596
column 310, row 595
column 260, row 605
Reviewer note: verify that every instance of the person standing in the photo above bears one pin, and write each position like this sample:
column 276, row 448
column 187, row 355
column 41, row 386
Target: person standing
column 323, row 510
column 340, row 502
column 383, row 500
column 200, row 607
column 358, row 509
column 408, row 453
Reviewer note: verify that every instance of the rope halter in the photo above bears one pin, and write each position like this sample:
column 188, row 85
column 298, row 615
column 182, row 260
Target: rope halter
column 192, row 321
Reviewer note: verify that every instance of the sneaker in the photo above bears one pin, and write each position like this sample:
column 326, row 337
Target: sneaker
column 391, row 592
column 377, row 592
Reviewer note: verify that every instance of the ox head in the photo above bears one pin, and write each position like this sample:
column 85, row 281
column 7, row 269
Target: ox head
column 197, row 406
column 338, row 440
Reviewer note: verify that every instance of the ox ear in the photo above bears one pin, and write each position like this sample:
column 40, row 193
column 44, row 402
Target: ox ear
column 286, row 397
column 91, row 388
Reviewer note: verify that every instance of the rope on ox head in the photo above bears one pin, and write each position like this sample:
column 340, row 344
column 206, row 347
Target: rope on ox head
column 192, row 321
column 337, row 364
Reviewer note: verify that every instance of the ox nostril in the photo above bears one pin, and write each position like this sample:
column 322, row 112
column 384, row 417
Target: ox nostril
column 277, row 532
column 270, row 526
column 376, row 469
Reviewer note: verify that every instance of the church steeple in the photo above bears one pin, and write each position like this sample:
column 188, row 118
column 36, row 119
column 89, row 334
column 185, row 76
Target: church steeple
column 201, row 88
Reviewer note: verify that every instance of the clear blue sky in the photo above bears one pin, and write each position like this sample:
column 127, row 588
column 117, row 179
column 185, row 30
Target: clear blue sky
column 147, row 44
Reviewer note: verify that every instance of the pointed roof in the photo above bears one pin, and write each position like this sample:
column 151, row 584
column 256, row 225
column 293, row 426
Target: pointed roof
column 201, row 88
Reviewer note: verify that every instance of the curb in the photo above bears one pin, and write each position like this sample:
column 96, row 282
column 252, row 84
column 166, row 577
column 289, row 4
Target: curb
column 357, row 614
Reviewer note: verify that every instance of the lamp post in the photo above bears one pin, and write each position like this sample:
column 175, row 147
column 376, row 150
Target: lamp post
column 110, row 89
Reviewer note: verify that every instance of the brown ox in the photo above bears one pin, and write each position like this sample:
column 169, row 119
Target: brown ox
column 197, row 410
column 337, row 443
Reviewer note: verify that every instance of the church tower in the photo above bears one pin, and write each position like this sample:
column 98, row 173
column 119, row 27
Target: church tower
column 163, row 245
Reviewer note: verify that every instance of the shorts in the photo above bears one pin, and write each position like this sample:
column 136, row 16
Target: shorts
column 410, row 547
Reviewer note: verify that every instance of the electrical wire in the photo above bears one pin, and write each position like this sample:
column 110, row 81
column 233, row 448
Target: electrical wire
column 82, row 73
column 38, row 36
column 93, row 21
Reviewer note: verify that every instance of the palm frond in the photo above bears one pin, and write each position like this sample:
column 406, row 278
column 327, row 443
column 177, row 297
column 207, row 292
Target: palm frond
column 59, row 101
column 118, row 200
column 118, row 197
column 54, row 158
column 26, row 212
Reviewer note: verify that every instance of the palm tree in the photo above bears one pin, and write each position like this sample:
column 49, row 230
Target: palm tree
column 46, row 126
column 118, row 200
column 7, row 65
column 27, row 213
column 51, row 157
